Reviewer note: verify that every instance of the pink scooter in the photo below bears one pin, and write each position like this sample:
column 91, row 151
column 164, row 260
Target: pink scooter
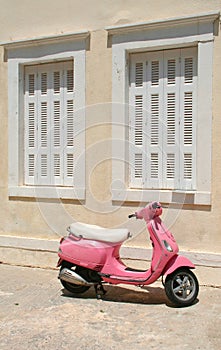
column 89, row 256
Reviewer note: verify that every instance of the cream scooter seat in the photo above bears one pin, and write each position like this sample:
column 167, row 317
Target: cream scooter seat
column 98, row 233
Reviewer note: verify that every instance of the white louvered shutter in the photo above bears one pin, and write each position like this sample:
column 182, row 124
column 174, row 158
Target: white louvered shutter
column 145, row 120
column 171, row 135
column 163, row 86
column 43, row 164
column 188, row 92
column 49, row 116
column 30, row 126
column 154, row 87
column 57, row 116
column 137, row 99
column 69, row 126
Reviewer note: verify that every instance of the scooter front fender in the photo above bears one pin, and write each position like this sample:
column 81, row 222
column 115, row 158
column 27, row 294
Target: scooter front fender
column 175, row 263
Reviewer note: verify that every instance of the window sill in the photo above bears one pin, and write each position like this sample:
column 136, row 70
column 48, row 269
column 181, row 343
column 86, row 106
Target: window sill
column 47, row 192
column 164, row 196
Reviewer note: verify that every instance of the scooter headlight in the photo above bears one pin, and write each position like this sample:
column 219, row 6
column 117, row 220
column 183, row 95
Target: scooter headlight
column 167, row 246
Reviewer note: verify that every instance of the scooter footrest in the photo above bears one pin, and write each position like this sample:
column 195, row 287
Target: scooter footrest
column 104, row 274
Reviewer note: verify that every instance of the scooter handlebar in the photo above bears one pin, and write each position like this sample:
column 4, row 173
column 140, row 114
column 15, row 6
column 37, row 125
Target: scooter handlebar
column 132, row 216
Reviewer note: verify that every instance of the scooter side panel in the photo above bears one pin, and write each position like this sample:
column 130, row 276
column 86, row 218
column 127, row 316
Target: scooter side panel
column 86, row 253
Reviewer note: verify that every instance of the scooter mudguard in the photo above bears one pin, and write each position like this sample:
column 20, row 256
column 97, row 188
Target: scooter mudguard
column 177, row 262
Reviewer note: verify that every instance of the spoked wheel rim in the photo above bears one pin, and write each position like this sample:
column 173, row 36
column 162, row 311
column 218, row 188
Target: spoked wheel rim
column 183, row 286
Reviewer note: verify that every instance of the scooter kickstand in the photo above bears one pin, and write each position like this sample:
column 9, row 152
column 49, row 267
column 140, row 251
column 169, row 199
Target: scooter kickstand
column 99, row 290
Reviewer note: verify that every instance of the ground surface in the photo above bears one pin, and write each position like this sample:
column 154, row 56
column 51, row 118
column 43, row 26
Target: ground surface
column 35, row 313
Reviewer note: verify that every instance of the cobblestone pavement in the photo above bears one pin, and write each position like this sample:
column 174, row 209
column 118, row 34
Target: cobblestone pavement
column 35, row 313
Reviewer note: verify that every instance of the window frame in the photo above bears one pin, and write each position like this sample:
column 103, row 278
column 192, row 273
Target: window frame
column 36, row 51
column 180, row 32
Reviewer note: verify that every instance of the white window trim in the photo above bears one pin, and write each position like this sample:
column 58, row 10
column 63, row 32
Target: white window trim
column 35, row 51
column 172, row 33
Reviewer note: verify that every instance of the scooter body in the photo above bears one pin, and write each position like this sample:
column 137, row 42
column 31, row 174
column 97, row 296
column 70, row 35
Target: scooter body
column 90, row 255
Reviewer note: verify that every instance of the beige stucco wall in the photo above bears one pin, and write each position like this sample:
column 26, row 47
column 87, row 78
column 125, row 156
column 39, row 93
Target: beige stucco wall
column 196, row 228
column 22, row 19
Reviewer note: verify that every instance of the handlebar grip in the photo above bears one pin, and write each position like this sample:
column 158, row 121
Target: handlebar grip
column 131, row 216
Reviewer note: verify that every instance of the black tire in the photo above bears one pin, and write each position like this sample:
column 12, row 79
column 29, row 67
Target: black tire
column 71, row 287
column 182, row 287
column 74, row 288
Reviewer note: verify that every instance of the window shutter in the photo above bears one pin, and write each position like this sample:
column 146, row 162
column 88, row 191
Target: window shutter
column 49, row 124
column 69, row 126
column 170, row 136
column 30, row 108
column 162, row 112
column 153, row 150
column 43, row 156
column 44, row 124
column 145, row 122
column 56, row 129
column 137, row 123
column 188, row 93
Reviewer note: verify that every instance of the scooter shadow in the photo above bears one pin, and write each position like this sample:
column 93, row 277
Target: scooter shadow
column 151, row 295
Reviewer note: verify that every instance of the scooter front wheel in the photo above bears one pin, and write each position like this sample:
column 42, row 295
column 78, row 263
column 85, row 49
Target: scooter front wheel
column 182, row 287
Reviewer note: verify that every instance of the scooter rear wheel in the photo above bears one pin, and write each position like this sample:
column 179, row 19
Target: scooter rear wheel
column 182, row 287
column 74, row 288
column 71, row 287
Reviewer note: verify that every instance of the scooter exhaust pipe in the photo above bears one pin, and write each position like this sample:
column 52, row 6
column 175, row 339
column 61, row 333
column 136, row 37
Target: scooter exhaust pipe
column 70, row 276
